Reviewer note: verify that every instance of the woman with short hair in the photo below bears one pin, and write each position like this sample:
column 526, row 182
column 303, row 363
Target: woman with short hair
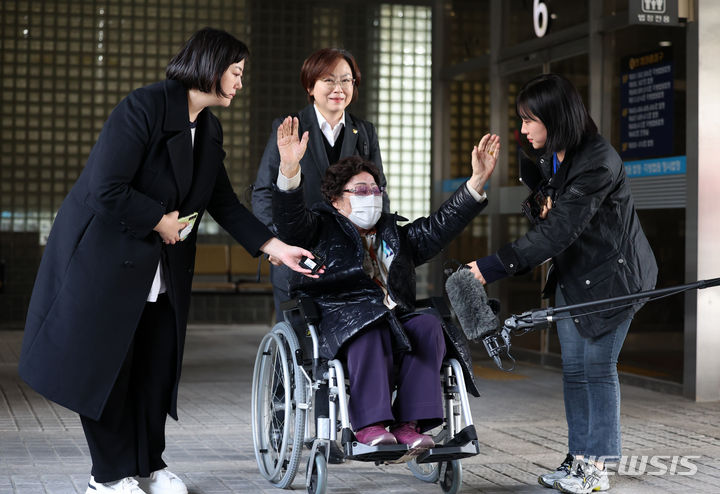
column 331, row 79
column 589, row 228
column 106, row 323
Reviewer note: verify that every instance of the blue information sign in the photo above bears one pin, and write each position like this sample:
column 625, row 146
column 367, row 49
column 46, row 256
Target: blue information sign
column 674, row 165
column 646, row 105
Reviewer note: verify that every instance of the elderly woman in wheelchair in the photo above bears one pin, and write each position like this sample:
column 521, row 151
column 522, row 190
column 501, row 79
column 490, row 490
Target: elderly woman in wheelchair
column 365, row 298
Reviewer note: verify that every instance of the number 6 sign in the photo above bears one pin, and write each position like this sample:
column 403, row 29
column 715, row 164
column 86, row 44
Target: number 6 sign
column 540, row 18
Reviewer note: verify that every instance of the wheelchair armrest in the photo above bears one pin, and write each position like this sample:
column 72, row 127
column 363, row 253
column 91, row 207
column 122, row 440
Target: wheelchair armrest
column 305, row 307
column 437, row 303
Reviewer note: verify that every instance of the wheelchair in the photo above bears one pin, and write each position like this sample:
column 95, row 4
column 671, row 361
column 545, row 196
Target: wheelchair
column 289, row 378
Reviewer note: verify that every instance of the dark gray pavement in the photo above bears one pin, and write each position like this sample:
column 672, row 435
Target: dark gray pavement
column 519, row 418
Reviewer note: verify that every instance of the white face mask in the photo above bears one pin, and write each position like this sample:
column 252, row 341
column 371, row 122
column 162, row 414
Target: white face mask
column 366, row 210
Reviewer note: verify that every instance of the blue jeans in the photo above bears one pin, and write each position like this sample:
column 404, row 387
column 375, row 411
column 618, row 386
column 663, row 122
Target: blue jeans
column 591, row 388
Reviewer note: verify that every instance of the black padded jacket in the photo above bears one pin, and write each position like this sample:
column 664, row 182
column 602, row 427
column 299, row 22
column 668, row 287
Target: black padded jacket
column 348, row 300
column 592, row 234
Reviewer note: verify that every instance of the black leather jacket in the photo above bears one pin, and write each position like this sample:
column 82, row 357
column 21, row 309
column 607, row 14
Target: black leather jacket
column 592, row 234
column 348, row 300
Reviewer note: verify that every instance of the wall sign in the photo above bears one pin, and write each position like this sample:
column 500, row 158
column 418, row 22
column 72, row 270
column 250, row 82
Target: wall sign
column 653, row 12
column 646, row 105
column 540, row 18
column 646, row 12
column 674, row 165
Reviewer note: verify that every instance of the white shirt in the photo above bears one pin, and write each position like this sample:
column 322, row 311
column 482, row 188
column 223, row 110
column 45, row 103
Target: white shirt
column 289, row 183
column 330, row 133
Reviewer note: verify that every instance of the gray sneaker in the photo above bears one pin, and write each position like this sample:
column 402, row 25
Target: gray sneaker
column 584, row 480
column 561, row 472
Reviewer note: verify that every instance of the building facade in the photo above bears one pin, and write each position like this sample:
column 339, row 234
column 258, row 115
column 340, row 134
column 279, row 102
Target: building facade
column 437, row 75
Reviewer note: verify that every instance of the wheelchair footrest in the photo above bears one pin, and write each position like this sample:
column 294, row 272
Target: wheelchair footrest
column 355, row 450
column 464, row 444
column 446, row 453
column 463, row 436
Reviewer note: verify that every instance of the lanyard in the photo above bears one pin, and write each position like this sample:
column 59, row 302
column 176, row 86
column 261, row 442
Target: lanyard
column 556, row 163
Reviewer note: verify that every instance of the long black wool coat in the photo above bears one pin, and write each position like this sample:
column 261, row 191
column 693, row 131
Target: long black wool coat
column 102, row 252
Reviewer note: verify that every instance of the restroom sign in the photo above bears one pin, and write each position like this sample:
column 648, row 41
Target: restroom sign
column 653, row 12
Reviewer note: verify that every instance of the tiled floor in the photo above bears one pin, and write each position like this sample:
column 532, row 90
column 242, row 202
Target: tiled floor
column 520, row 423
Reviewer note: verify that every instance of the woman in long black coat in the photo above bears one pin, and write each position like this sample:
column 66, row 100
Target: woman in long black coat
column 106, row 323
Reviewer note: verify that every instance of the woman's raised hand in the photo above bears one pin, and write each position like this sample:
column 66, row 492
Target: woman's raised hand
column 290, row 146
column 483, row 160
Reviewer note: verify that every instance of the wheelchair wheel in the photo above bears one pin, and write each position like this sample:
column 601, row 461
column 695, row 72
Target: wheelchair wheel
column 317, row 474
column 427, row 472
column 278, row 425
column 450, row 476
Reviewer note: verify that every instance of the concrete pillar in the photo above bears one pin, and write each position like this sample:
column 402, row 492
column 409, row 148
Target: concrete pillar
column 702, row 320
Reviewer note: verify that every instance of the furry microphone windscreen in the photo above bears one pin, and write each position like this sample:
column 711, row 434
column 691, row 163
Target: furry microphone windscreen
column 470, row 302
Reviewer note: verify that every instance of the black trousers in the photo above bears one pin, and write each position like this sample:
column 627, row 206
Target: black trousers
column 129, row 438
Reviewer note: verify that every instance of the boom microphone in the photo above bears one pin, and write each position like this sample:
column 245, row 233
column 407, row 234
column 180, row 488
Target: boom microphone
column 468, row 298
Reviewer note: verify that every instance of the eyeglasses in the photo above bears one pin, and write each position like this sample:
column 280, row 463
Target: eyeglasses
column 344, row 83
column 366, row 190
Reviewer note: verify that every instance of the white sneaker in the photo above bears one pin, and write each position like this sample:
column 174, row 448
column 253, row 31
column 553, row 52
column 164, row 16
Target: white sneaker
column 128, row 485
column 561, row 472
column 163, row 482
column 584, row 480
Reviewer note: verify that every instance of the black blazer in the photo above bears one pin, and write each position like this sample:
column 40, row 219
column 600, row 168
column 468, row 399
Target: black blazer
column 102, row 252
column 360, row 139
